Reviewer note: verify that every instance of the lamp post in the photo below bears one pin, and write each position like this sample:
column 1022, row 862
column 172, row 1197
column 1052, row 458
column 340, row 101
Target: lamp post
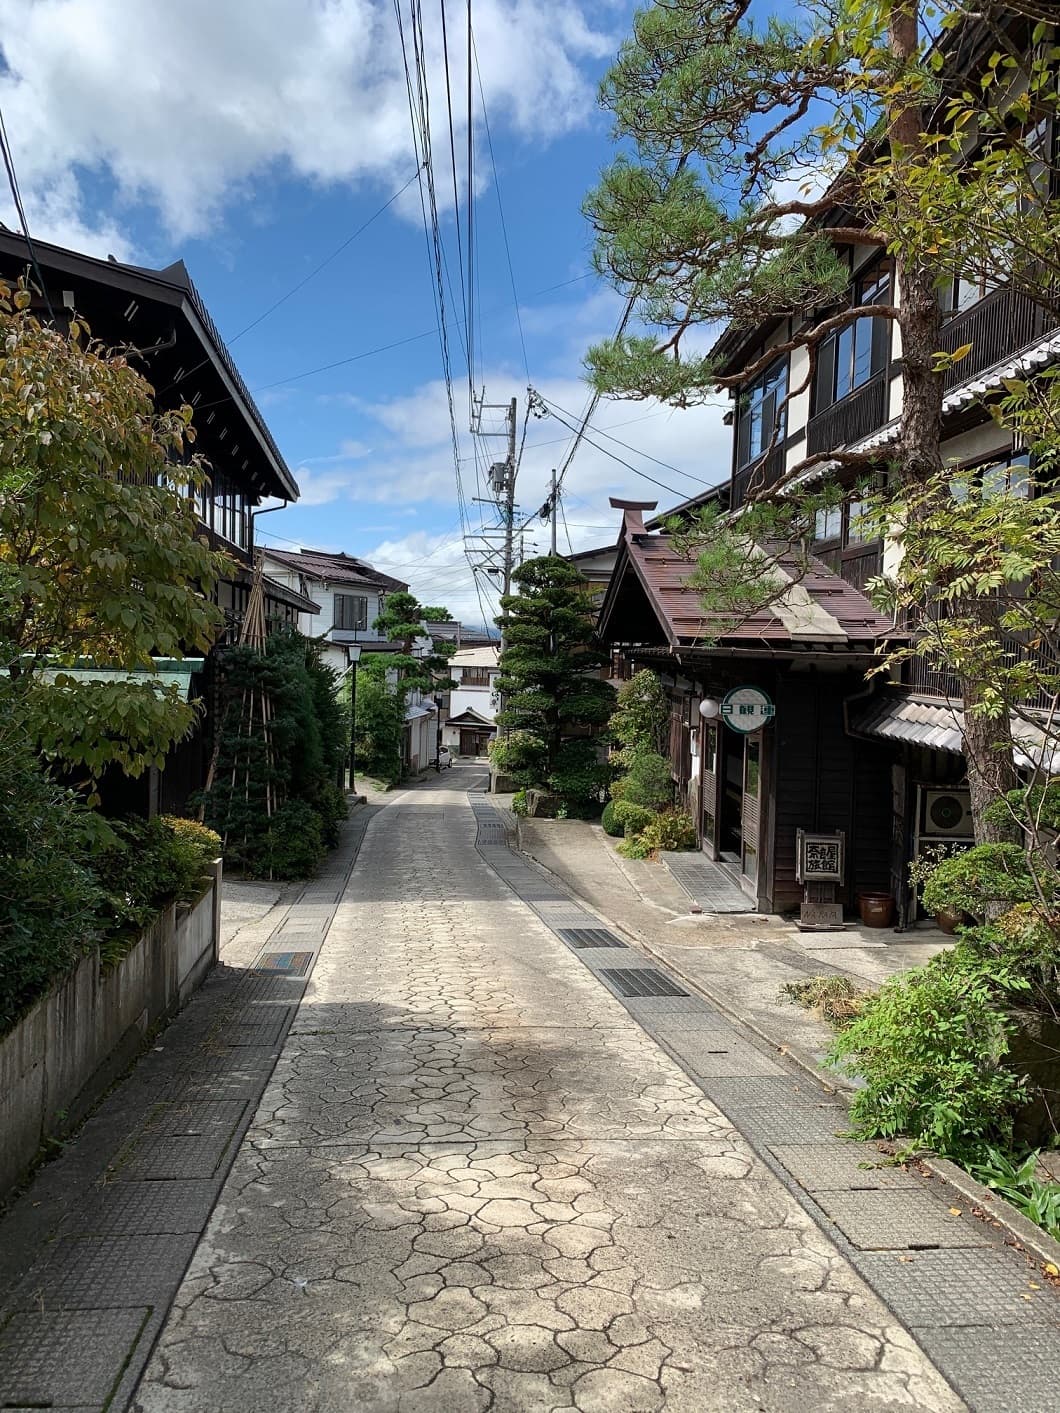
column 353, row 652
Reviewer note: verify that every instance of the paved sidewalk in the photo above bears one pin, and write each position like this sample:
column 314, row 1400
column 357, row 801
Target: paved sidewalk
column 476, row 1182
column 93, row 1253
column 741, row 961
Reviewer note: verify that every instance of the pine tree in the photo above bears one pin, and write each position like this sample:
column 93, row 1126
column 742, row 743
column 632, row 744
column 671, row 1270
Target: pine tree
column 554, row 697
column 717, row 213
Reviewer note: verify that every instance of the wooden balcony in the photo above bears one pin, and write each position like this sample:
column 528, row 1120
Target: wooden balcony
column 998, row 326
column 853, row 417
column 758, row 476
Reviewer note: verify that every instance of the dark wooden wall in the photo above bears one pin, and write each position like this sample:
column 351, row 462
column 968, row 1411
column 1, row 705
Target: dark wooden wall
column 825, row 780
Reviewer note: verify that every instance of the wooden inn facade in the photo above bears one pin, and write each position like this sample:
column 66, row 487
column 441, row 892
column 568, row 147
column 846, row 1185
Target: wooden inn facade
column 874, row 760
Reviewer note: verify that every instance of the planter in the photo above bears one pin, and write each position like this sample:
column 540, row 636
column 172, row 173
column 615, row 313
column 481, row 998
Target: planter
column 949, row 922
column 876, row 909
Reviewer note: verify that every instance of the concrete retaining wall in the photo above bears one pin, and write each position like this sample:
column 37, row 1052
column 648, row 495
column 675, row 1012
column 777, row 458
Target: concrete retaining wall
column 76, row 1040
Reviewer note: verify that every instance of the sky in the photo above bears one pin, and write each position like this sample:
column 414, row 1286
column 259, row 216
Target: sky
column 255, row 139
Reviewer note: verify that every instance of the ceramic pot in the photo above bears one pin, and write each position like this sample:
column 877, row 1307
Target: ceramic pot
column 876, row 909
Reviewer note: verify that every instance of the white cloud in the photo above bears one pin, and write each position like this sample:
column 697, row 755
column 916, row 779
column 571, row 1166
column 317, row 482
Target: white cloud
column 185, row 106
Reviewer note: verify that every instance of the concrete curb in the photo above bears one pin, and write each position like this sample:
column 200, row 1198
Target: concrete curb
column 1024, row 1234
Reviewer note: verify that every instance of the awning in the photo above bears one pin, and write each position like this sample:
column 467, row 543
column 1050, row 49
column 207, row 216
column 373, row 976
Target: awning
column 470, row 717
column 166, row 672
column 938, row 725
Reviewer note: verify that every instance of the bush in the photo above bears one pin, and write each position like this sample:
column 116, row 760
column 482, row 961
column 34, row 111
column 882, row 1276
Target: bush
column 207, row 840
column 641, row 720
column 975, row 880
column 579, row 777
column 626, row 818
column 293, row 844
column 49, row 898
column 634, row 846
column 648, row 782
column 520, row 804
column 930, row 1046
column 519, row 755
column 670, row 831
column 332, row 809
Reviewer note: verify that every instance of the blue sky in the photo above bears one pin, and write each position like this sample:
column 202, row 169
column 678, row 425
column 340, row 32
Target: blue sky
column 252, row 138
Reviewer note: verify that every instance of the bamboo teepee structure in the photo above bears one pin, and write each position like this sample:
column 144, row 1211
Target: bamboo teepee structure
column 253, row 724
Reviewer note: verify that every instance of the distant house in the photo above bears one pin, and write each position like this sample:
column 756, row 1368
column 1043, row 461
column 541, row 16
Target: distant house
column 461, row 636
column 596, row 567
column 347, row 593
column 471, row 724
column 348, row 596
column 158, row 317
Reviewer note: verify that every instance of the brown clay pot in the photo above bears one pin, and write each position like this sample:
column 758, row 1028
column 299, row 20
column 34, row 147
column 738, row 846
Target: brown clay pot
column 876, row 909
column 949, row 922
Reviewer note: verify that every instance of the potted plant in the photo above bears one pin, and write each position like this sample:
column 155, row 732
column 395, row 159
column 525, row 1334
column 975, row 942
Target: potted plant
column 947, row 917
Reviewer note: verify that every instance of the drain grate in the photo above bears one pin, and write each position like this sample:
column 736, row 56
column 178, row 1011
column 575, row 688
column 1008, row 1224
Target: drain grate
column 582, row 937
column 287, row 963
column 641, row 981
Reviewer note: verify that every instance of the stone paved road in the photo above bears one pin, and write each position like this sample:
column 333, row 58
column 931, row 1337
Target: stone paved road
column 475, row 1182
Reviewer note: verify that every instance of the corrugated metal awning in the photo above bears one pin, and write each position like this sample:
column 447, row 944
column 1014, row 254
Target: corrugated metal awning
column 938, row 725
column 164, row 673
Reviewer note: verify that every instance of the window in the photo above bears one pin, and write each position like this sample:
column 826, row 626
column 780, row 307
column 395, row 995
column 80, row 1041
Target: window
column 474, row 677
column 828, row 524
column 710, row 750
column 1010, row 475
column 760, row 414
column 351, row 612
column 859, row 530
column 752, row 767
column 856, row 353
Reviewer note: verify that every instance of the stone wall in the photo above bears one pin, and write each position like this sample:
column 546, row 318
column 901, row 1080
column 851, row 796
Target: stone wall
column 76, row 1040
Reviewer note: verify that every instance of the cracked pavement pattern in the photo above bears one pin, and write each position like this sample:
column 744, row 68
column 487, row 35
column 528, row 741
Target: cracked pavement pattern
column 474, row 1182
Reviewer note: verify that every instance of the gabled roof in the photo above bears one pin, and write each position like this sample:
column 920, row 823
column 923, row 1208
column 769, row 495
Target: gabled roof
column 649, row 603
column 476, row 657
column 191, row 343
column 470, row 717
column 335, row 568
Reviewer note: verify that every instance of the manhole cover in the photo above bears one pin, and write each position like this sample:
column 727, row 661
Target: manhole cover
column 289, row 963
column 589, row 937
column 641, row 981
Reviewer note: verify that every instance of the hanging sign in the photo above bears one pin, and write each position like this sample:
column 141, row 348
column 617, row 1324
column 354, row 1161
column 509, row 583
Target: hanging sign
column 747, row 709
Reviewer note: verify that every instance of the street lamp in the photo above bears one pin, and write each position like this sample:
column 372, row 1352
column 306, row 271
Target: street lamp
column 353, row 653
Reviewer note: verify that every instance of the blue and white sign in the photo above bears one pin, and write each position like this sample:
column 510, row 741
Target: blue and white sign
column 747, row 709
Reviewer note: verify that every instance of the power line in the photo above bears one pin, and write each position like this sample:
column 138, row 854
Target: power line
column 583, row 437
column 635, row 450
column 500, row 203
column 326, row 261
column 16, row 196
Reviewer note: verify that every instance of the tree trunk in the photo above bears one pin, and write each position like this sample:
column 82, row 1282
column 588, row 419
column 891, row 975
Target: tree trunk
column 991, row 771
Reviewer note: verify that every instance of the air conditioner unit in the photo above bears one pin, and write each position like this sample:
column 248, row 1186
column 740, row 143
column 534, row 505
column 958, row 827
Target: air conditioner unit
column 947, row 815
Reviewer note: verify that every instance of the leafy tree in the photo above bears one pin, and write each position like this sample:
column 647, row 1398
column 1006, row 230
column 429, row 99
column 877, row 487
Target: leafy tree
column 715, row 212
column 641, row 720
column 550, row 681
column 99, row 557
column 380, row 726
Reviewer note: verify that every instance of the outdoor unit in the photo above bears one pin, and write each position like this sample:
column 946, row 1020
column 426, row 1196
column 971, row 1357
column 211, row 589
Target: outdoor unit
column 947, row 814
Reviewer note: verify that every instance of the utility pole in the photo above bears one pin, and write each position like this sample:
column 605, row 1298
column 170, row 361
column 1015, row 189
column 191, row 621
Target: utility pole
column 554, row 502
column 502, row 476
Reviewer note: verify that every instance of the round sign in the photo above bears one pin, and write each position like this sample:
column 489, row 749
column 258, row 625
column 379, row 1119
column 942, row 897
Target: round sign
column 747, row 709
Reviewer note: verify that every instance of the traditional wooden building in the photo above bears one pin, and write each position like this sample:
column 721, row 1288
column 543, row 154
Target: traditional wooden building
column 159, row 319
column 751, row 791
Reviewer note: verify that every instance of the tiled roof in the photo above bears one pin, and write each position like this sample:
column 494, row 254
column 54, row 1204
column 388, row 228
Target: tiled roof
column 818, row 611
column 938, row 724
column 335, row 568
column 476, row 657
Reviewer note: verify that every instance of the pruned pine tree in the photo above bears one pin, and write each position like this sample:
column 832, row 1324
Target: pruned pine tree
column 554, row 695
column 760, row 154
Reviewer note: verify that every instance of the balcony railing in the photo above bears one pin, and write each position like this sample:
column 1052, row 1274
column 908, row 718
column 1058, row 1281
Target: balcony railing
column 999, row 325
column 930, row 679
column 853, row 417
column 759, row 476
